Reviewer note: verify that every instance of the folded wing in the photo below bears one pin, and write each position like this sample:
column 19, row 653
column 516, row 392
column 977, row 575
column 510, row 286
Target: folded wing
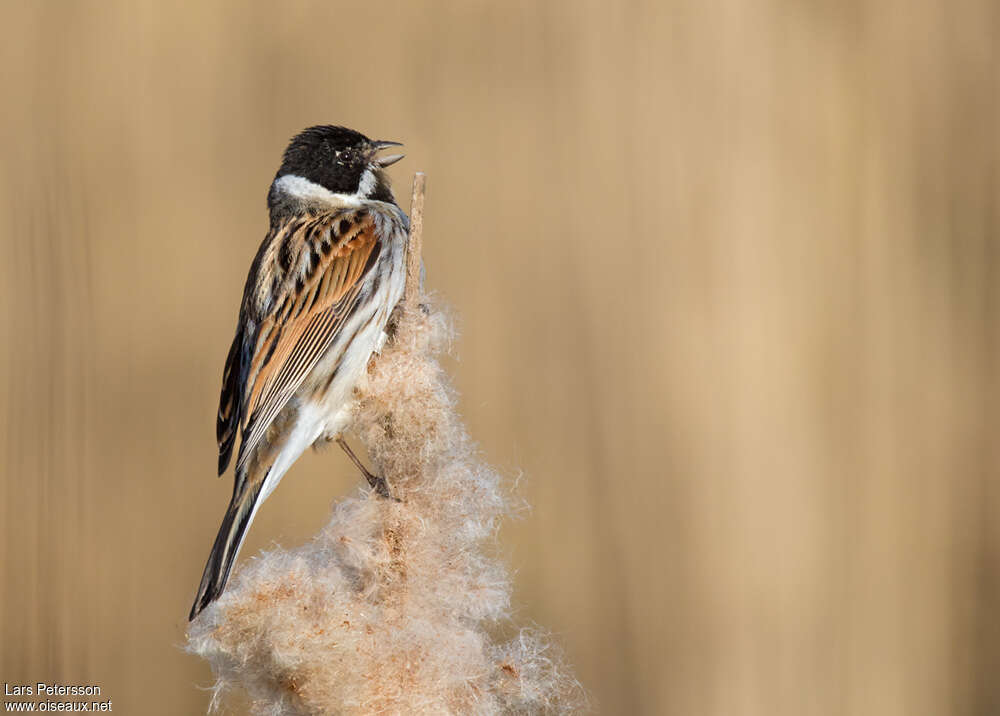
column 317, row 272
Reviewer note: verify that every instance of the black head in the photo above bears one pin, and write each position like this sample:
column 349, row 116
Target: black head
column 340, row 160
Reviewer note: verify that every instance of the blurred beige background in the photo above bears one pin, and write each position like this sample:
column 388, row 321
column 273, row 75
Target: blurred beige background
column 727, row 281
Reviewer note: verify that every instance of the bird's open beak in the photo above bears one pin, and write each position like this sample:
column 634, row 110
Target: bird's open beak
column 389, row 160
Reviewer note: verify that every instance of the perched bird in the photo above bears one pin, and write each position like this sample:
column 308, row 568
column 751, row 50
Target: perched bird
column 315, row 309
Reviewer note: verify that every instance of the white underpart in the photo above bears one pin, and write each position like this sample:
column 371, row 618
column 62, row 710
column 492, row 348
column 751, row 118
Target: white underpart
column 303, row 435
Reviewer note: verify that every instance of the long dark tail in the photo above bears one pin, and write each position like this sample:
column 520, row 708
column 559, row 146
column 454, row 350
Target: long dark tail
column 227, row 546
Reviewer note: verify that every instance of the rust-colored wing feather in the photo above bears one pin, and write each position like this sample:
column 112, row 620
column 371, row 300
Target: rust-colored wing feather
column 302, row 288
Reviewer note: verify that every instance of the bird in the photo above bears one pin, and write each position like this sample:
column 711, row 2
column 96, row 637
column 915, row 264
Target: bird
column 316, row 309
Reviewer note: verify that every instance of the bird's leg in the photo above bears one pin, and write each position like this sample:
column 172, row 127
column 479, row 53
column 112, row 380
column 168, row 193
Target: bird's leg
column 378, row 483
column 393, row 322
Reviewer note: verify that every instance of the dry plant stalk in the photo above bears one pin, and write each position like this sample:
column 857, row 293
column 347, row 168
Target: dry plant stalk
column 389, row 609
column 415, row 247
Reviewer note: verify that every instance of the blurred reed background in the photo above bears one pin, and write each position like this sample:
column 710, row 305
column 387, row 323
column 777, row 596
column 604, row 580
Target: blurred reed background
column 726, row 276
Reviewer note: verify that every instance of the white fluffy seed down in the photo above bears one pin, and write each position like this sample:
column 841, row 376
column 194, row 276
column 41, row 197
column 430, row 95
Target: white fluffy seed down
column 392, row 608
